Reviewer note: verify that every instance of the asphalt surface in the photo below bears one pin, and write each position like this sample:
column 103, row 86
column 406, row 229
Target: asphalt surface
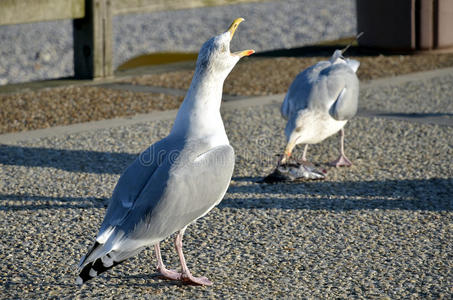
column 380, row 229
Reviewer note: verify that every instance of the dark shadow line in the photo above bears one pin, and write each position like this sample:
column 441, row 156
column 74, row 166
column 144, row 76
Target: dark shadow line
column 68, row 160
column 152, row 280
column 45, row 206
column 419, row 194
column 334, row 204
column 426, row 194
column 246, row 179
column 405, row 115
column 383, row 188
column 418, row 115
column 63, row 202
column 435, row 199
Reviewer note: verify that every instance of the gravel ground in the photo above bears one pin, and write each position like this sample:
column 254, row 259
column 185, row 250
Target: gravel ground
column 45, row 50
column 434, row 96
column 254, row 77
column 380, row 229
column 68, row 105
column 28, row 109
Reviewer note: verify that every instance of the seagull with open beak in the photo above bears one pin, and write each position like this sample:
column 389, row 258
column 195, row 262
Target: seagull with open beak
column 184, row 175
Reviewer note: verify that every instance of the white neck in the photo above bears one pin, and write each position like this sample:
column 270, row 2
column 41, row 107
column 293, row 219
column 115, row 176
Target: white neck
column 199, row 114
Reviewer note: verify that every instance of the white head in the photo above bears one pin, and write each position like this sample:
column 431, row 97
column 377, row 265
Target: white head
column 215, row 56
column 338, row 58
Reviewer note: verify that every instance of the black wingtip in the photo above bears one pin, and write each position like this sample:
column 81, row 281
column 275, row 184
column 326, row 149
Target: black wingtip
column 84, row 275
column 93, row 269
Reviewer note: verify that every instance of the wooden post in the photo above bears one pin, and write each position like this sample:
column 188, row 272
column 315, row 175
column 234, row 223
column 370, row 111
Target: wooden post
column 425, row 24
column 444, row 23
column 93, row 41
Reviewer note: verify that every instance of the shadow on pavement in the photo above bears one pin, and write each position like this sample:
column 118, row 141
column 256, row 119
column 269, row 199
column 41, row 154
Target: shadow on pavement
column 67, row 160
column 415, row 115
column 430, row 118
column 408, row 194
column 418, row 194
column 30, row 202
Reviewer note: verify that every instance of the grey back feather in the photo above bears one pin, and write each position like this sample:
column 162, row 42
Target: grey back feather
column 327, row 87
column 298, row 95
column 344, row 85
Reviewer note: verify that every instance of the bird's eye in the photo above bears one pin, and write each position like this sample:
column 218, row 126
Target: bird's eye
column 223, row 49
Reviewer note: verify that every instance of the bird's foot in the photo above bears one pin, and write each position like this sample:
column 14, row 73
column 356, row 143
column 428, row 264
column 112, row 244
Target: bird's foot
column 188, row 278
column 341, row 161
column 169, row 274
column 184, row 277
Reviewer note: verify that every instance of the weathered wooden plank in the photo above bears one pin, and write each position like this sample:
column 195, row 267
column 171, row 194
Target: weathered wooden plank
column 93, row 41
column 445, row 24
column 425, row 27
column 27, row 11
column 146, row 6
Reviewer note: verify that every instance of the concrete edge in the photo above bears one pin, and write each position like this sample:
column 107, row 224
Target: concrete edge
column 401, row 79
column 10, row 138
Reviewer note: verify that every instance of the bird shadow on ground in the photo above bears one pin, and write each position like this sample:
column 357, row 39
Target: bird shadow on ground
column 67, row 160
column 409, row 194
column 154, row 280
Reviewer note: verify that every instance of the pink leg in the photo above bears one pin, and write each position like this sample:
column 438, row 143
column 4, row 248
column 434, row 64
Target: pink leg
column 168, row 274
column 304, row 160
column 186, row 276
column 342, row 160
column 304, row 155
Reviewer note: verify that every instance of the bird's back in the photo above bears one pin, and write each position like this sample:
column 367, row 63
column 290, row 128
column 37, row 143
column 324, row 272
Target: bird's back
column 317, row 88
column 298, row 95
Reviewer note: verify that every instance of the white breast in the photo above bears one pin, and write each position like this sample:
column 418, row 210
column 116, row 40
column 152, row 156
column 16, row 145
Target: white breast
column 317, row 127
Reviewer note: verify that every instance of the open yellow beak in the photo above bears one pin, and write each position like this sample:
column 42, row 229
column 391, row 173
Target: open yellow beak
column 234, row 26
column 232, row 30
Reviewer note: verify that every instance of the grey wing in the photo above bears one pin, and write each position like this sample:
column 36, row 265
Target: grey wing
column 284, row 109
column 298, row 95
column 343, row 86
column 179, row 193
column 130, row 185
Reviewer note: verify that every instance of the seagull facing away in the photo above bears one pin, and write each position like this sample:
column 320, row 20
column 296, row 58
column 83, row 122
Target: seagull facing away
column 176, row 180
column 319, row 102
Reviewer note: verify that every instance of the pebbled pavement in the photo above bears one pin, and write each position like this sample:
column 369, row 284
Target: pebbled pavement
column 380, row 229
